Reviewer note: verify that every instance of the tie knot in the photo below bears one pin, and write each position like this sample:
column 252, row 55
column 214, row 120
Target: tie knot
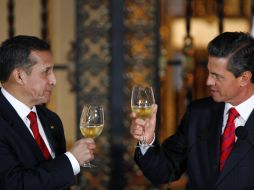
column 32, row 116
column 234, row 112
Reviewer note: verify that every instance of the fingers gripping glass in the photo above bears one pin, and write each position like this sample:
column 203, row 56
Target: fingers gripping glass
column 91, row 124
column 142, row 102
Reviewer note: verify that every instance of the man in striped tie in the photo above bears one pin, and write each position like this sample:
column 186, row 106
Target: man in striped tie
column 205, row 144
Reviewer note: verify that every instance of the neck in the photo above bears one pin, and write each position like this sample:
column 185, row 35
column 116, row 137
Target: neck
column 13, row 90
column 243, row 96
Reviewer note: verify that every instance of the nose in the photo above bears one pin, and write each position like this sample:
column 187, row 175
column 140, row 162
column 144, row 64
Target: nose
column 52, row 79
column 210, row 81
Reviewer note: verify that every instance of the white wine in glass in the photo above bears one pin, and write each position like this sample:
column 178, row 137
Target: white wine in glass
column 142, row 103
column 91, row 124
column 143, row 112
column 91, row 131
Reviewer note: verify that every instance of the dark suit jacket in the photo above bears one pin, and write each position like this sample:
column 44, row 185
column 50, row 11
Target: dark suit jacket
column 195, row 148
column 22, row 165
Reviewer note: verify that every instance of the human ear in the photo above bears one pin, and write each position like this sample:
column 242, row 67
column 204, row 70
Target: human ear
column 245, row 78
column 18, row 75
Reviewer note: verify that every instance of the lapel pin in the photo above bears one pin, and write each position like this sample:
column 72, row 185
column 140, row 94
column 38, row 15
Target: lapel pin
column 52, row 127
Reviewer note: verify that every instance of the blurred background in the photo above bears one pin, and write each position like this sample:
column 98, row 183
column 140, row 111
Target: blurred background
column 102, row 48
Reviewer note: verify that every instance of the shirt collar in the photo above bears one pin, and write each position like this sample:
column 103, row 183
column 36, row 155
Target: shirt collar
column 244, row 109
column 22, row 109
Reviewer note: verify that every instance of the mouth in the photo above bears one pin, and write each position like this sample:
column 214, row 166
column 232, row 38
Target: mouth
column 48, row 93
column 213, row 91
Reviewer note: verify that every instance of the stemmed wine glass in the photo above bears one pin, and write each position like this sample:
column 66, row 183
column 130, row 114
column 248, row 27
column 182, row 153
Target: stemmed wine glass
column 91, row 123
column 142, row 102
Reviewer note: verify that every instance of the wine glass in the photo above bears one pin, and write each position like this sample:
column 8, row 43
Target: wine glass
column 142, row 102
column 91, row 123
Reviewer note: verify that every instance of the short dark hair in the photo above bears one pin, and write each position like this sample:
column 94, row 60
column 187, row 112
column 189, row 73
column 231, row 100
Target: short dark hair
column 15, row 52
column 238, row 47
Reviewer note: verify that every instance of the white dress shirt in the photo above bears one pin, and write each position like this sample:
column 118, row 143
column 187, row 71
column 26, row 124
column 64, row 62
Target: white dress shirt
column 23, row 111
column 244, row 109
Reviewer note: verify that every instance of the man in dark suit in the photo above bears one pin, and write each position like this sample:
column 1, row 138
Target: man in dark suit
column 32, row 144
column 205, row 145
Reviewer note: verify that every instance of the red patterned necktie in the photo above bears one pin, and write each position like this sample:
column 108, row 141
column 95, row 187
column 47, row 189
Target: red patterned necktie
column 228, row 137
column 34, row 126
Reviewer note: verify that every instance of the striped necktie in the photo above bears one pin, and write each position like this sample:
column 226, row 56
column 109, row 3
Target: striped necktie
column 228, row 137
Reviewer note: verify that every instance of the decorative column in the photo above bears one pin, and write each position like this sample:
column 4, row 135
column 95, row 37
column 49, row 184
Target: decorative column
column 44, row 20
column 141, row 52
column 117, row 46
column 220, row 5
column 93, row 59
column 11, row 18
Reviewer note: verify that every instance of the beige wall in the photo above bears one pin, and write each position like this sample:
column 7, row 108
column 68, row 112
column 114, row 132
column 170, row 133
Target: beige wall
column 61, row 34
column 3, row 20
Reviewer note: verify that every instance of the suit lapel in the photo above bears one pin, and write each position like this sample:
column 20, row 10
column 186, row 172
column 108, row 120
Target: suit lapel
column 250, row 127
column 214, row 133
column 47, row 127
column 240, row 149
column 10, row 115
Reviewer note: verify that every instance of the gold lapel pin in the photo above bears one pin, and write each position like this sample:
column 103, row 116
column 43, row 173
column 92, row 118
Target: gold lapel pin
column 52, row 127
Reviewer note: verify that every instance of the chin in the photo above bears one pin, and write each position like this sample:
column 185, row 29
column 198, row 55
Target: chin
column 217, row 99
column 43, row 100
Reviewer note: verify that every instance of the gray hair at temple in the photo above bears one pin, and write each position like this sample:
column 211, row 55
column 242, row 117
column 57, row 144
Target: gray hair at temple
column 238, row 48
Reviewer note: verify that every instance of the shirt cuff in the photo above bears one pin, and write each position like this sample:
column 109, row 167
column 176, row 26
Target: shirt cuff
column 144, row 149
column 74, row 163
